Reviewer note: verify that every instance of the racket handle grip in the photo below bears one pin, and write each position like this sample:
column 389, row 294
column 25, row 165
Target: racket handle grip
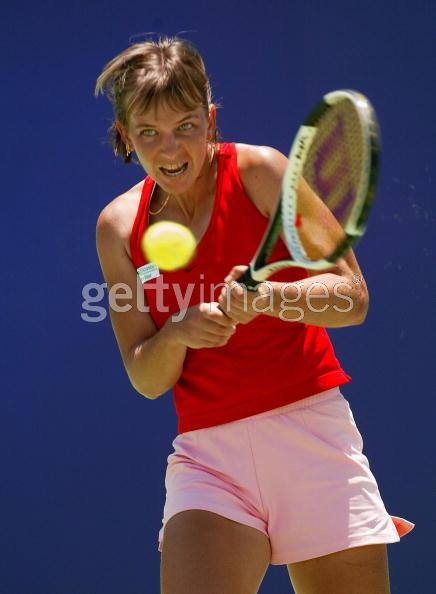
column 247, row 280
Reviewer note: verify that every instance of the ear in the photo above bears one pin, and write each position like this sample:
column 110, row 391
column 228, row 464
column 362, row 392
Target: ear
column 123, row 132
column 211, row 127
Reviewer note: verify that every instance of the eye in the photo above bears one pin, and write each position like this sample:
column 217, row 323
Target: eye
column 186, row 126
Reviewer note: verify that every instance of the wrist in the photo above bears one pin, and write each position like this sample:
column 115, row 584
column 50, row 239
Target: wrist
column 285, row 297
column 171, row 332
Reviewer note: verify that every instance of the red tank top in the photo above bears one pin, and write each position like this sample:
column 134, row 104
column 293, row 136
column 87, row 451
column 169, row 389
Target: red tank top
column 267, row 363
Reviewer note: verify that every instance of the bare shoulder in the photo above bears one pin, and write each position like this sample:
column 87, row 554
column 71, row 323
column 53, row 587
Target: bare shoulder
column 115, row 221
column 261, row 169
column 254, row 156
column 131, row 325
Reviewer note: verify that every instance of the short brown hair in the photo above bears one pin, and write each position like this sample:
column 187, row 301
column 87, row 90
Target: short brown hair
column 169, row 69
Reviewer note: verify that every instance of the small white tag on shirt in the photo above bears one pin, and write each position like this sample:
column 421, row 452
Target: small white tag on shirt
column 147, row 272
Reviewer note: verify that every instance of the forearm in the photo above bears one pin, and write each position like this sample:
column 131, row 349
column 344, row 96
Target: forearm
column 327, row 300
column 155, row 365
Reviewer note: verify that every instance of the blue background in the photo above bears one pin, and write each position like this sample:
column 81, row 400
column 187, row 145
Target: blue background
column 82, row 455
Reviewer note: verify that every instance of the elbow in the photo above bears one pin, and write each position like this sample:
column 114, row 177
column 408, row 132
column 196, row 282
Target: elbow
column 146, row 390
column 361, row 309
column 360, row 318
column 148, row 387
column 357, row 304
column 140, row 381
column 148, row 379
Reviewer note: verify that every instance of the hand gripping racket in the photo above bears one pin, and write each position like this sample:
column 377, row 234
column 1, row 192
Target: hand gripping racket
column 328, row 188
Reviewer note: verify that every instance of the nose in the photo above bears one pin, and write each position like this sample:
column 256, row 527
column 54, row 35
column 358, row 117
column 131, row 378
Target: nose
column 169, row 145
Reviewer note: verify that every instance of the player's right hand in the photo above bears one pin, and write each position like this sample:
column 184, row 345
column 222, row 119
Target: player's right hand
column 203, row 326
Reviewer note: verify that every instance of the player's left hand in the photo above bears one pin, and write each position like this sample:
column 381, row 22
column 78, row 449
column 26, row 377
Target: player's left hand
column 240, row 304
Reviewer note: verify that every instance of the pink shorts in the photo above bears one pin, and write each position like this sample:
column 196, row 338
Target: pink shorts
column 297, row 473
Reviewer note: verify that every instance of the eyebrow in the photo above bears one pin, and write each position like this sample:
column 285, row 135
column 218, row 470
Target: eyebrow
column 187, row 117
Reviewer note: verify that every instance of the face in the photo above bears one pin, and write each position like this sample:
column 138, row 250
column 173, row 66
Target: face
column 172, row 145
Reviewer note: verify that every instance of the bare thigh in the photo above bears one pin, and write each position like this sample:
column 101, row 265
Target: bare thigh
column 360, row 570
column 205, row 553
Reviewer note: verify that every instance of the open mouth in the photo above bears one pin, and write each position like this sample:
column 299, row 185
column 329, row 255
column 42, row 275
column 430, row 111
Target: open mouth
column 174, row 171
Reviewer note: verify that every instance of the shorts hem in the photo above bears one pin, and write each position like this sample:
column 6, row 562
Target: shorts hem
column 240, row 519
column 342, row 546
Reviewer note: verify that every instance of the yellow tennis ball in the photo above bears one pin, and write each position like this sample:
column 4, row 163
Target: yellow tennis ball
column 168, row 245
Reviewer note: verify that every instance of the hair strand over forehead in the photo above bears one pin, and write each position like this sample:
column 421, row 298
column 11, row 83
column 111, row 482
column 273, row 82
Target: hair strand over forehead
column 168, row 70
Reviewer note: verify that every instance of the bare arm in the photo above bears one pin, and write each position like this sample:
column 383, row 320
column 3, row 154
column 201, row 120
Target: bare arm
column 152, row 358
column 332, row 299
column 337, row 297
column 144, row 350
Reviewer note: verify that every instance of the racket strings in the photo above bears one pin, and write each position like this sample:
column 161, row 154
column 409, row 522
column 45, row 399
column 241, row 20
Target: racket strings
column 327, row 189
column 335, row 160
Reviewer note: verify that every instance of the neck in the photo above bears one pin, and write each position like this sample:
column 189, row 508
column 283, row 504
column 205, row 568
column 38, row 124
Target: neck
column 190, row 203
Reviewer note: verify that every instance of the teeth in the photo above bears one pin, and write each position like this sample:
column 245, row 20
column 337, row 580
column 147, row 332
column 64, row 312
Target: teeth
column 173, row 167
column 174, row 170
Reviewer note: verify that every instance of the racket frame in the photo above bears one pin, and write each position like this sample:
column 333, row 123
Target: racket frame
column 285, row 214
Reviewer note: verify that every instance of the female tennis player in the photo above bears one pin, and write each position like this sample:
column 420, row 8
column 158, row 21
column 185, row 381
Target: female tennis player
column 267, row 465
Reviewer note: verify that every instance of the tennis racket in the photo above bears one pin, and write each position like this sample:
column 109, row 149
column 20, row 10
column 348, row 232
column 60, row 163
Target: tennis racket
column 327, row 190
